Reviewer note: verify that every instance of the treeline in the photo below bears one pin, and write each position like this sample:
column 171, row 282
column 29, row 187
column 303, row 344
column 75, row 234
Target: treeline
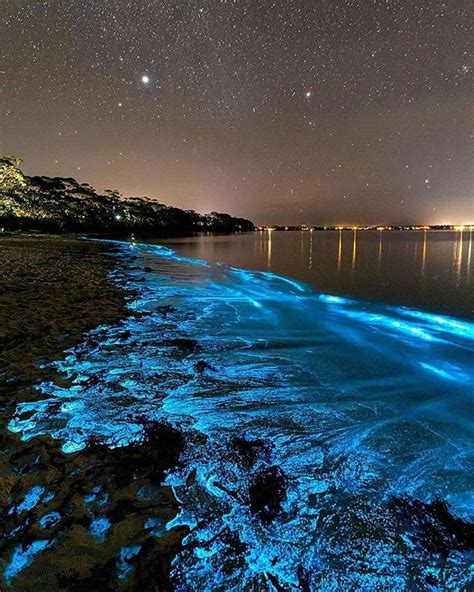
column 58, row 204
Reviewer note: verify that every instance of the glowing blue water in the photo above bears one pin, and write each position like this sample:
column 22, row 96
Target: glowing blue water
column 358, row 401
column 22, row 557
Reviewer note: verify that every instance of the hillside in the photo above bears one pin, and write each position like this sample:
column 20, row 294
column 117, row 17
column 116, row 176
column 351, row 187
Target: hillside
column 57, row 204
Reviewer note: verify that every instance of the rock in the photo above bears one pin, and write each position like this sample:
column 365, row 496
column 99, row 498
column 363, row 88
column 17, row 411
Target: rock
column 165, row 310
column 183, row 344
column 250, row 451
column 202, row 366
column 267, row 492
column 436, row 529
column 159, row 451
column 153, row 562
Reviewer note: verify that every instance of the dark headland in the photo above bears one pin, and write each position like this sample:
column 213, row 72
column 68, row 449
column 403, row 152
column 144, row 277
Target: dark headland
column 58, row 204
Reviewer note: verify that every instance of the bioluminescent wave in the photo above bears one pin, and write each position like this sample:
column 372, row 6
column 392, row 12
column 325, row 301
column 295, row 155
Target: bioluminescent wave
column 309, row 419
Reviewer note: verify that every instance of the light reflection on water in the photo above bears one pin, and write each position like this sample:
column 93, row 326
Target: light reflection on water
column 427, row 269
column 359, row 401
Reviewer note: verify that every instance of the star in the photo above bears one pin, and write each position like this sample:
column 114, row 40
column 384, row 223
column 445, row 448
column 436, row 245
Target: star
column 180, row 79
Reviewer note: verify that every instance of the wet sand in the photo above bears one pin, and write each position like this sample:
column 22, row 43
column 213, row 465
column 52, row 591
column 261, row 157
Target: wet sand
column 52, row 290
column 55, row 508
column 277, row 487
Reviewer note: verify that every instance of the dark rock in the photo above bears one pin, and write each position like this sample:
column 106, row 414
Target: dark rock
column 202, row 366
column 250, row 451
column 267, row 492
column 158, row 452
column 124, row 335
column 436, row 528
column 303, row 579
column 101, row 577
column 152, row 565
column 275, row 582
column 165, row 310
column 234, row 545
column 183, row 344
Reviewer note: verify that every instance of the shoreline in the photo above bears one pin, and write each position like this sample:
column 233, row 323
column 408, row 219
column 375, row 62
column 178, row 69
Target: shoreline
column 53, row 291
column 142, row 400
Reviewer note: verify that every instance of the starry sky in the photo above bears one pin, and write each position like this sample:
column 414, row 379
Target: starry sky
column 289, row 111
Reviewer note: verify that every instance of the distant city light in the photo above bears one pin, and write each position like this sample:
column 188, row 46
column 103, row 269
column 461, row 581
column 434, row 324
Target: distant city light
column 354, row 228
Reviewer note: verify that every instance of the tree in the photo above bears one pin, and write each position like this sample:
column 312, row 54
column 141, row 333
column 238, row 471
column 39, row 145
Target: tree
column 11, row 177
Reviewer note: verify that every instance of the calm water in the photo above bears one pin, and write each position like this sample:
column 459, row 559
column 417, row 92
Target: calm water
column 353, row 404
column 432, row 270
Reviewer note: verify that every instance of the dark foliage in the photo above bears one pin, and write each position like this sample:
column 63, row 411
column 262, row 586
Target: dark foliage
column 64, row 205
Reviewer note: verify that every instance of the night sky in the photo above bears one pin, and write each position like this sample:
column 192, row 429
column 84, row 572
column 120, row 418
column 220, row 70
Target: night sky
column 283, row 112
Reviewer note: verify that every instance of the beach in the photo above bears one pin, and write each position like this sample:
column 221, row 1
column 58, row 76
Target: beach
column 52, row 291
column 209, row 427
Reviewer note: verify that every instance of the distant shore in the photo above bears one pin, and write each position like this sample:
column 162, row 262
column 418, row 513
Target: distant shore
column 305, row 227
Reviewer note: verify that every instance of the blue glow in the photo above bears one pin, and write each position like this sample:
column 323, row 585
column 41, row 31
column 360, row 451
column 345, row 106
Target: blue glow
column 50, row 519
column 97, row 497
column 99, row 527
column 353, row 400
column 156, row 526
column 449, row 372
column 272, row 276
column 32, row 498
column 124, row 568
column 22, row 557
column 383, row 321
column 454, row 326
column 333, row 299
